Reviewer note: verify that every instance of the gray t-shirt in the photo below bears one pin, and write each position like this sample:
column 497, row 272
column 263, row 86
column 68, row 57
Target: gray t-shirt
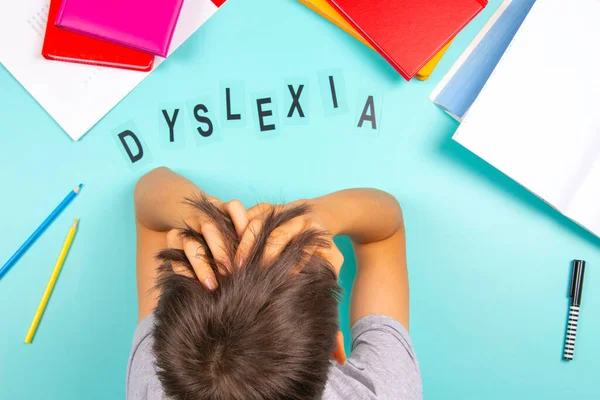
column 382, row 365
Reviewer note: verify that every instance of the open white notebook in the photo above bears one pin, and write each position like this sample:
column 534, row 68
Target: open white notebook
column 538, row 117
column 77, row 96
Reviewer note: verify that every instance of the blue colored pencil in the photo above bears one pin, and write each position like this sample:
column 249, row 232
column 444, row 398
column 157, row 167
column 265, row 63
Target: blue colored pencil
column 63, row 204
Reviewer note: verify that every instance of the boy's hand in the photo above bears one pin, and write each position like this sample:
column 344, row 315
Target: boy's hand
column 282, row 235
column 247, row 224
column 193, row 250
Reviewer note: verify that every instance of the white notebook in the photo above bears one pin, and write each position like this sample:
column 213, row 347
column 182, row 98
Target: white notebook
column 77, row 96
column 537, row 119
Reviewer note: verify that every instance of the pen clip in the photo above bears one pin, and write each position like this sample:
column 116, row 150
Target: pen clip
column 576, row 278
column 573, row 278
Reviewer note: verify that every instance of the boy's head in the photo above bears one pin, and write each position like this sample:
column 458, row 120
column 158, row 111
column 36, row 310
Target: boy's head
column 267, row 332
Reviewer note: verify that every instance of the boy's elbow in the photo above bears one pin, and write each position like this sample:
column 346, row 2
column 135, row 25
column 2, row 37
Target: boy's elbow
column 394, row 208
column 151, row 176
column 389, row 200
column 145, row 182
column 397, row 212
column 158, row 171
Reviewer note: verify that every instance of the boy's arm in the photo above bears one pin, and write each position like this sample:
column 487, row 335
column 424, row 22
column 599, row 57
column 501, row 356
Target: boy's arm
column 159, row 197
column 158, row 208
column 373, row 221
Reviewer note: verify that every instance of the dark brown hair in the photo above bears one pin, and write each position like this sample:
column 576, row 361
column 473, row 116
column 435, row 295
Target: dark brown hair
column 266, row 333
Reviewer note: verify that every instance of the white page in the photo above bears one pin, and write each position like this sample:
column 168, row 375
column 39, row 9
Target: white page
column 536, row 120
column 77, row 96
column 585, row 206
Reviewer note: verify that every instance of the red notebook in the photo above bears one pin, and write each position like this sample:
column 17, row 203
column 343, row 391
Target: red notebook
column 408, row 33
column 64, row 45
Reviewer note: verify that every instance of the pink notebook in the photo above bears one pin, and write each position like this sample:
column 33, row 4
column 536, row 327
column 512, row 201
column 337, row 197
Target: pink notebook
column 139, row 24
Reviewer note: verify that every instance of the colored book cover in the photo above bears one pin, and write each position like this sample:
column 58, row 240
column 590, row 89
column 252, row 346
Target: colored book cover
column 132, row 23
column 408, row 33
column 77, row 96
column 323, row 8
column 63, row 45
column 425, row 72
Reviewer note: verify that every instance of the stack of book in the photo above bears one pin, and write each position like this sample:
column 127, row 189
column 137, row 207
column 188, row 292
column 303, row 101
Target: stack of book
column 411, row 35
column 86, row 37
column 110, row 32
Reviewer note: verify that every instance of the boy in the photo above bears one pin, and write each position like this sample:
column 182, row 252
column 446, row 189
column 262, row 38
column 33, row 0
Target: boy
column 243, row 303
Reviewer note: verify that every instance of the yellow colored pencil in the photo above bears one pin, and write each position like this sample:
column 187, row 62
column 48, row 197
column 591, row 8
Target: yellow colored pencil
column 51, row 282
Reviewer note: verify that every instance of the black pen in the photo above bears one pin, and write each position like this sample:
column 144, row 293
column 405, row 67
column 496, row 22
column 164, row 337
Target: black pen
column 575, row 294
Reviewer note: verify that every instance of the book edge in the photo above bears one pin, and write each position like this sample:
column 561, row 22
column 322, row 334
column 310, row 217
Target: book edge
column 382, row 52
column 466, row 54
column 158, row 51
column 407, row 75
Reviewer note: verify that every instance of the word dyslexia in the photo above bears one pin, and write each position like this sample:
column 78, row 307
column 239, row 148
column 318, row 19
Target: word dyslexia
column 201, row 114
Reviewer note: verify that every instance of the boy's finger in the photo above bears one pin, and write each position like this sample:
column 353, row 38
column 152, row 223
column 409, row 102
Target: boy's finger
column 182, row 269
column 334, row 256
column 175, row 241
column 195, row 254
column 216, row 244
column 308, row 253
column 247, row 241
column 281, row 237
column 258, row 210
column 236, row 211
column 215, row 200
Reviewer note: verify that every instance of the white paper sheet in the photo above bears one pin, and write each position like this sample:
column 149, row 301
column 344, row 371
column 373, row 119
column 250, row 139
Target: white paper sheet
column 585, row 205
column 538, row 117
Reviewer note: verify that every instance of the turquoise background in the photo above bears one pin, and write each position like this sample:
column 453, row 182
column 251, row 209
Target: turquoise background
column 489, row 262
